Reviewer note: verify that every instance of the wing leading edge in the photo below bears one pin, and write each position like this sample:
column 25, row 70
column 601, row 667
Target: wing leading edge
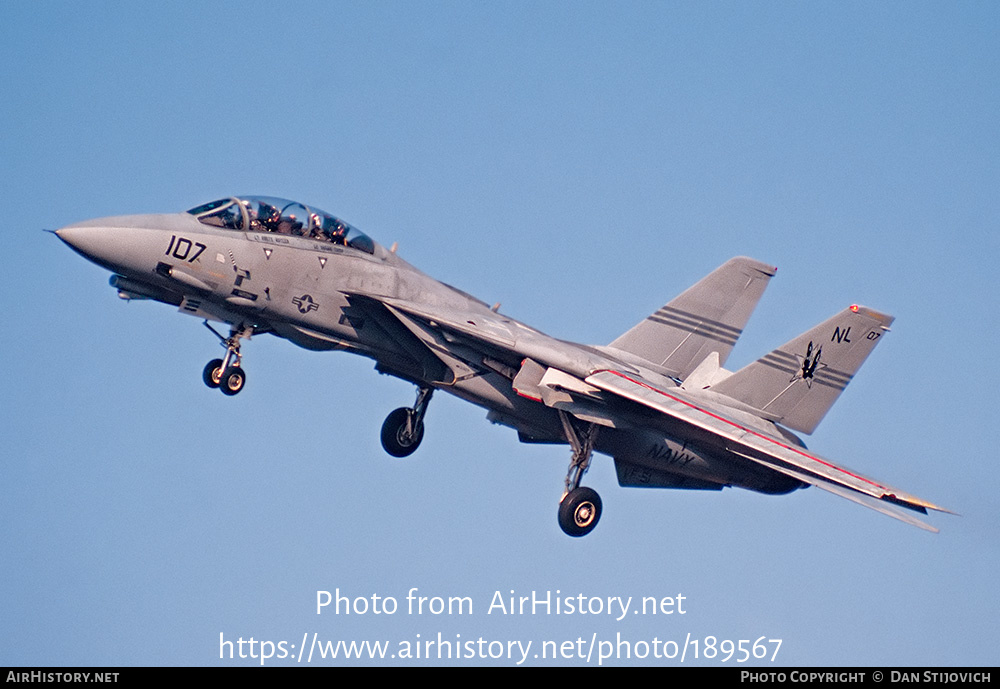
column 764, row 449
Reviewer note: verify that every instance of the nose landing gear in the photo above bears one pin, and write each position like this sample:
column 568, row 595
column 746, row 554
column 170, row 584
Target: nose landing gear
column 227, row 374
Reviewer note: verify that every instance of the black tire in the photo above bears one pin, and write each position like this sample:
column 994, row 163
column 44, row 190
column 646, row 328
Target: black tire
column 580, row 511
column 232, row 380
column 212, row 373
column 395, row 440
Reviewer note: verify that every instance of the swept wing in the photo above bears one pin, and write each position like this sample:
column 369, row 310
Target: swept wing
column 763, row 448
column 745, row 437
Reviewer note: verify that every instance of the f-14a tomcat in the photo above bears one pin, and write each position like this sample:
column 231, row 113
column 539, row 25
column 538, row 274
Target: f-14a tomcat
column 657, row 399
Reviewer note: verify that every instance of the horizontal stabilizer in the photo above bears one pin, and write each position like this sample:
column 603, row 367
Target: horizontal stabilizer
column 707, row 317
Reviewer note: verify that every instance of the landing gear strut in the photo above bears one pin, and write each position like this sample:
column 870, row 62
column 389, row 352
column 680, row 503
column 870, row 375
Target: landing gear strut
column 403, row 429
column 580, row 507
column 227, row 374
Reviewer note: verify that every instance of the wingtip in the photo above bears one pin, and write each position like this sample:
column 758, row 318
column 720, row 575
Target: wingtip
column 931, row 506
column 916, row 504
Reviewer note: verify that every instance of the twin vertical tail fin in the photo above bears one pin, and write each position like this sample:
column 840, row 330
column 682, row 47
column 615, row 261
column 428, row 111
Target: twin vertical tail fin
column 707, row 317
column 796, row 384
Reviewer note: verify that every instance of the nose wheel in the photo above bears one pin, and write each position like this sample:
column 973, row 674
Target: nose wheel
column 232, row 381
column 212, row 375
column 227, row 374
column 403, row 429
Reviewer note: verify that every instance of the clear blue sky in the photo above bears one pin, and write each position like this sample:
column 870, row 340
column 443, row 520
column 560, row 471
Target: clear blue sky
column 582, row 163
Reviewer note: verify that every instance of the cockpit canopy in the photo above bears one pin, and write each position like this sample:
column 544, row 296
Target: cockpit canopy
column 281, row 216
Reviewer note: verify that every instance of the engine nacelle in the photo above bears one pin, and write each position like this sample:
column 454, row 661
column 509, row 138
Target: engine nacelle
column 654, row 459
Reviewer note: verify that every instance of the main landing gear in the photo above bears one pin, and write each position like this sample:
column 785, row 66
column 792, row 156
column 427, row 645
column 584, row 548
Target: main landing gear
column 403, row 429
column 580, row 507
column 227, row 374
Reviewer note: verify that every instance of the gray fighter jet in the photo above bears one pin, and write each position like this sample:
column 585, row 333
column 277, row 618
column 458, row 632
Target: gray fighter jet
column 656, row 399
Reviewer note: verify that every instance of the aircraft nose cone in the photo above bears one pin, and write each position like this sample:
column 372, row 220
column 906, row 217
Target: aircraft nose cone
column 82, row 238
column 125, row 243
column 100, row 241
column 69, row 233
